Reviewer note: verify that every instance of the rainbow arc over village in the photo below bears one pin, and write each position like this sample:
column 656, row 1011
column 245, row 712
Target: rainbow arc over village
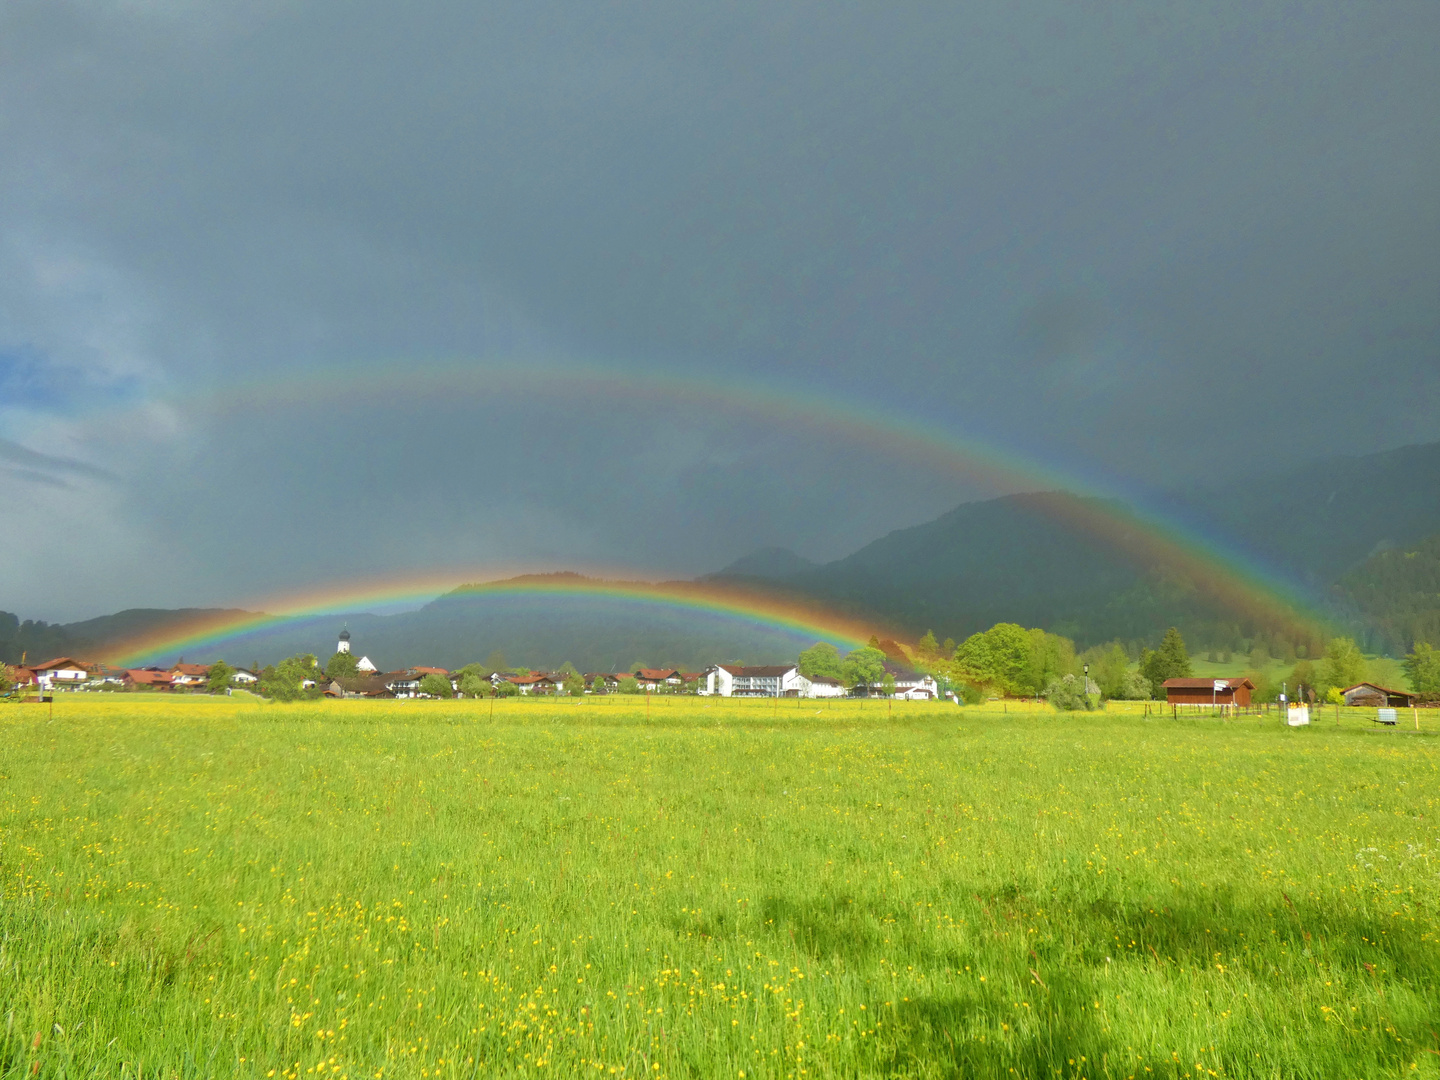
column 801, row 621
column 1229, row 576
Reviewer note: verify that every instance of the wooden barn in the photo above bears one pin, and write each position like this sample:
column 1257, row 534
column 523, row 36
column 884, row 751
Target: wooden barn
column 1208, row 691
column 1377, row 697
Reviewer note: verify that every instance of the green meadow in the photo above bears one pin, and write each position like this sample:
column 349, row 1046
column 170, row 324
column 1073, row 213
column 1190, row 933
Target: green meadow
column 195, row 888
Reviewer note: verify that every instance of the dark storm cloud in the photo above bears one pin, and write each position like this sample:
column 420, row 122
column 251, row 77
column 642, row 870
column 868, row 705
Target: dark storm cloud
column 1048, row 225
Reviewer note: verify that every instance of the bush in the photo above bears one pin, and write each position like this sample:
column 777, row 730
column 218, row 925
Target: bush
column 1135, row 687
column 1068, row 694
column 970, row 695
column 629, row 685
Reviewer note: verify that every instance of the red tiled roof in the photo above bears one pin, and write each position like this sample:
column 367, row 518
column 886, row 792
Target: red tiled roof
column 191, row 669
column 655, row 673
column 59, row 662
column 148, row 678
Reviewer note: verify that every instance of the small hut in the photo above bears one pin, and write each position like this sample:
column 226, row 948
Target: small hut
column 1208, row 691
column 1374, row 696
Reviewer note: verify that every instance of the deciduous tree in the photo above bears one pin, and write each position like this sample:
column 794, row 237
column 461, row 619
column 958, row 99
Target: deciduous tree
column 1344, row 664
column 219, row 676
column 436, row 686
column 286, row 680
column 1423, row 668
column 863, row 667
column 820, row 660
column 343, row 665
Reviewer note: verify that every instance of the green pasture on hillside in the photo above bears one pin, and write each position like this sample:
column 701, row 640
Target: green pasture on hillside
column 720, row 889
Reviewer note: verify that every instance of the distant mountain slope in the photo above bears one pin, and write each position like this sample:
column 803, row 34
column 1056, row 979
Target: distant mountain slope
column 772, row 563
column 1324, row 519
column 1397, row 592
column 1014, row 559
column 94, row 638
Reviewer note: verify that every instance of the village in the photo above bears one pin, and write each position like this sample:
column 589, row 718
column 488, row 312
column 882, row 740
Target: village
column 420, row 682
column 363, row 680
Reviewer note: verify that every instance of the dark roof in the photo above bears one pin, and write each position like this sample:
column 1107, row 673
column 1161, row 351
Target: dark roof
column 1206, row 684
column 1382, row 689
column 345, row 634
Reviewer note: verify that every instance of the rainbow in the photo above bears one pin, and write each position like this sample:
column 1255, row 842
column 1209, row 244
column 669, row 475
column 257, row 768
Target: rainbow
column 1228, row 576
column 798, row 620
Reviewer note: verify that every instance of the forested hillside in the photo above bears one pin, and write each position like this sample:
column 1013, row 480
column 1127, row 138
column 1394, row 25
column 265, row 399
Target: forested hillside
column 1397, row 594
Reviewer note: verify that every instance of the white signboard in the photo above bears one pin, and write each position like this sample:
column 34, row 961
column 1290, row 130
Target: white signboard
column 1298, row 715
column 1221, row 686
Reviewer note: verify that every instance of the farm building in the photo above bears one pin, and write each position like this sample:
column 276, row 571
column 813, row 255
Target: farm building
column 1208, row 691
column 1374, row 696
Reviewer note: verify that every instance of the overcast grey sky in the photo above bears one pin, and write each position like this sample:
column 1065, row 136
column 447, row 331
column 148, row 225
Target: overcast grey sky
column 1144, row 243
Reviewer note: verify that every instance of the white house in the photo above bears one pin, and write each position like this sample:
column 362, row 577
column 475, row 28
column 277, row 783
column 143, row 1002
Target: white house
column 911, row 685
column 738, row 680
column 62, row 671
column 244, row 677
column 822, row 686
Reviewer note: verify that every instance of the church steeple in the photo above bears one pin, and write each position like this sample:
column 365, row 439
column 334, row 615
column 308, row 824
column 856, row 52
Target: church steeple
column 344, row 645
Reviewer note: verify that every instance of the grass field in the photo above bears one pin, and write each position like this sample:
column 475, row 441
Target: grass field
column 198, row 888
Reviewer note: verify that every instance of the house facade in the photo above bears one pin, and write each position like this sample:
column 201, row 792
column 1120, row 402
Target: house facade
column 658, row 678
column 740, row 680
column 406, row 683
column 60, row 672
column 189, row 676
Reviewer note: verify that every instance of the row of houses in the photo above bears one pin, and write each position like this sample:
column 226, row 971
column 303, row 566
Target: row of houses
column 720, row 680
column 65, row 672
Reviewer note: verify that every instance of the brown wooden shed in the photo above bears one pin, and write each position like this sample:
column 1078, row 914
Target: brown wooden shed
column 1377, row 697
column 1208, row 691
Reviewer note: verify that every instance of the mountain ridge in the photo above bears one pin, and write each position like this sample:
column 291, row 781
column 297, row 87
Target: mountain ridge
column 1019, row 558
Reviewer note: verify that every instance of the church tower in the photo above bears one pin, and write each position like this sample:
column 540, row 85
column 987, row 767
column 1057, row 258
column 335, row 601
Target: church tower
column 344, row 645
